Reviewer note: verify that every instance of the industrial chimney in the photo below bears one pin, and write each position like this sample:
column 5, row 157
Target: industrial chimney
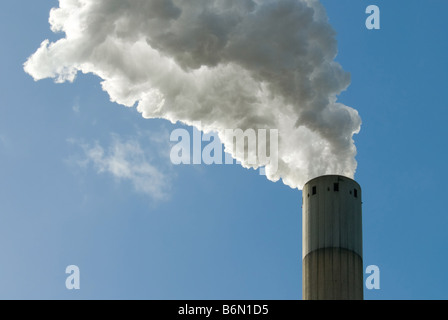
column 332, row 267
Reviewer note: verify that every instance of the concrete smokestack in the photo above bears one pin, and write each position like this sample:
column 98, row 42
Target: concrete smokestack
column 332, row 239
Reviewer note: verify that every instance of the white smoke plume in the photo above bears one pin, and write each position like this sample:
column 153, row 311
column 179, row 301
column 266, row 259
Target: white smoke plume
column 248, row 64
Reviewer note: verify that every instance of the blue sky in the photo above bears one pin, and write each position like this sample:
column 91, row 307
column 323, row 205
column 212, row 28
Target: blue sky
column 217, row 232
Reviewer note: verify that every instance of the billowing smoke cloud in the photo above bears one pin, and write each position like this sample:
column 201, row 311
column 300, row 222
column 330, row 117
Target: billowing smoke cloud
column 248, row 64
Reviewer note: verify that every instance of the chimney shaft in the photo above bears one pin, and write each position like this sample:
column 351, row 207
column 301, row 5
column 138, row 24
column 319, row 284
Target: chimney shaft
column 332, row 267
